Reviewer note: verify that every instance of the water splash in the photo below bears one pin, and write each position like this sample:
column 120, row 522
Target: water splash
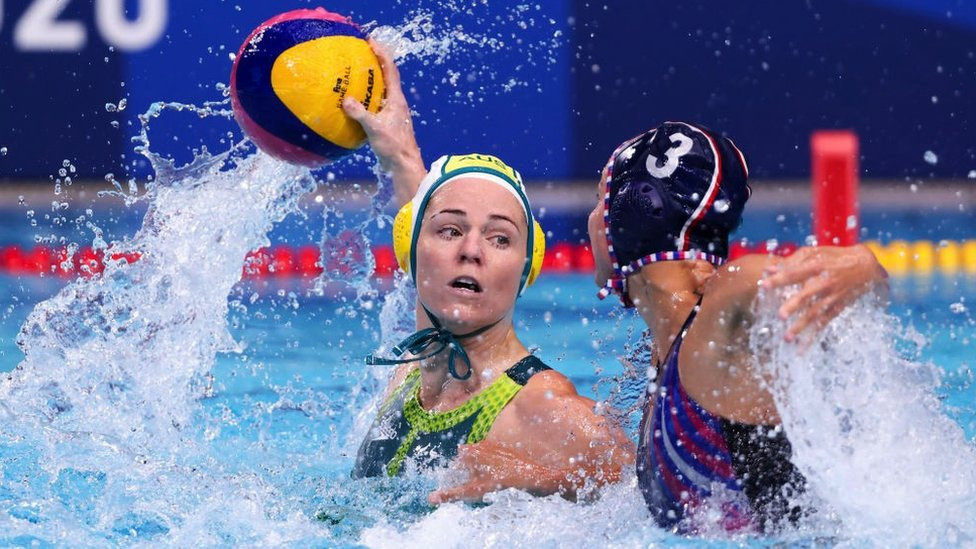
column 104, row 436
column 626, row 391
column 459, row 52
column 107, row 395
column 515, row 519
column 868, row 430
column 88, row 348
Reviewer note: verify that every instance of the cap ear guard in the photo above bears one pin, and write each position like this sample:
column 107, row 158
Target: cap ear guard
column 538, row 253
column 402, row 235
column 402, row 229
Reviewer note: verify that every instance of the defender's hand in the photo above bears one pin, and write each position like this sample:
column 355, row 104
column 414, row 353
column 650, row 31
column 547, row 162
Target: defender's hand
column 831, row 278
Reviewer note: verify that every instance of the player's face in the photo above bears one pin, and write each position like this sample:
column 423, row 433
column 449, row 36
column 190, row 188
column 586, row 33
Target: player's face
column 598, row 236
column 471, row 254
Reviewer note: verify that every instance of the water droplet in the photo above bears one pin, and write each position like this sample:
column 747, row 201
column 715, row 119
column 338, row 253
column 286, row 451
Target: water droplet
column 721, row 205
column 958, row 308
column 851, row 222
column 931, row 157
column 3, row 151
column 972, row 173
column 110, row 107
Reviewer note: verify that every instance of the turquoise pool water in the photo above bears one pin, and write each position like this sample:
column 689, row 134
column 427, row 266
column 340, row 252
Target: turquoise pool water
column 166, row 403
column 277, row 428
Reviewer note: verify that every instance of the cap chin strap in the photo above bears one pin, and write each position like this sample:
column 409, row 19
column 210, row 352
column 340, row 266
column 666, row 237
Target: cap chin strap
column 617, row 284
column 421, row 340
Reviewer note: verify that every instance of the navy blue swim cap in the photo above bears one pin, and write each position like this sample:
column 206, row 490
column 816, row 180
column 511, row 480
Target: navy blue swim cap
column 674, row 192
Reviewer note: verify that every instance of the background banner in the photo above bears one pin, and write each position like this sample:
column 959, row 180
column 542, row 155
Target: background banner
column 550, row 87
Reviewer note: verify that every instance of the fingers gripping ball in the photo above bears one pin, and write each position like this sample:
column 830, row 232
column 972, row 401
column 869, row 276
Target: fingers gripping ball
column 290, row 77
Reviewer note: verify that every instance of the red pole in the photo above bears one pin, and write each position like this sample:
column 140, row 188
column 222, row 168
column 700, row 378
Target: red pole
column 835, row 181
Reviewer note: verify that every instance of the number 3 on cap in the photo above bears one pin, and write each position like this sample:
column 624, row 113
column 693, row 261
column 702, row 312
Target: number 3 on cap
column 671, row 156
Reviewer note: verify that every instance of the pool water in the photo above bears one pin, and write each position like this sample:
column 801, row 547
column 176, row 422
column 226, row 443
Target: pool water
column 166, row 402
column 274, row 436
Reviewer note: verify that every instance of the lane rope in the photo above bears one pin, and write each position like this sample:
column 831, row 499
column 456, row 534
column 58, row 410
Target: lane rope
column 899, row 257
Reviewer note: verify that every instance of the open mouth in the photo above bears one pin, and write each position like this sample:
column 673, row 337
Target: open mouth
column 466, row 283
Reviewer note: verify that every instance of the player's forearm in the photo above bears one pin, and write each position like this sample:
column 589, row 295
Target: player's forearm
column 406, row 169
column 599, row 465
column 872, row 270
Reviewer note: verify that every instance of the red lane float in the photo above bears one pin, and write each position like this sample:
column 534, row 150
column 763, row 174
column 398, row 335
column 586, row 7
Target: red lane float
column 739, row 249
column 834, row 157
column 288, row 261
column 42, row 260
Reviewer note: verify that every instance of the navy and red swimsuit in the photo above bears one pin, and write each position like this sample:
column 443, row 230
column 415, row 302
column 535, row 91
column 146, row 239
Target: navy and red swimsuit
column 692, row 463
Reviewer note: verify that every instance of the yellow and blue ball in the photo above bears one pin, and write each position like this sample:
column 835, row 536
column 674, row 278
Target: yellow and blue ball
column 289, row 80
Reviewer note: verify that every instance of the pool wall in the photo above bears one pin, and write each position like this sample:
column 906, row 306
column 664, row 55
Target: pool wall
column 552, row 87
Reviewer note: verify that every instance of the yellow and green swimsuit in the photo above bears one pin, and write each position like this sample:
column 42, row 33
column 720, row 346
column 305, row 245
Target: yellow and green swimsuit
column 403, row 429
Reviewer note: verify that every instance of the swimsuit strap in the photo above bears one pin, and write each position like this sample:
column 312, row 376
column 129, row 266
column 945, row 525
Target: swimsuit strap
column 525, row 369
column 676, row 344
column 402, row 392
column 501, row 392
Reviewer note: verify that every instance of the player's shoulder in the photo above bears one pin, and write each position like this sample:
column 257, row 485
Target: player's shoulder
column 739, row 277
